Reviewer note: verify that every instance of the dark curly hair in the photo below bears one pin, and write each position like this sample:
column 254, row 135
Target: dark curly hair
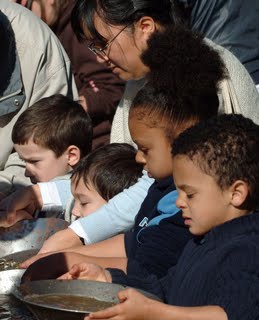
column 227, row 148
column 110, row 168
column 183, row 80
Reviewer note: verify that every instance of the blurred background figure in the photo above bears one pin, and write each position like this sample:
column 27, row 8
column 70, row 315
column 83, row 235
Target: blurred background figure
column 233, row 24
column 33, row 65
column 100, row 90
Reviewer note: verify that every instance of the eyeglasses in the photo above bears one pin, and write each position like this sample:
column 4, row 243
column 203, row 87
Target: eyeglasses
column 100, row 51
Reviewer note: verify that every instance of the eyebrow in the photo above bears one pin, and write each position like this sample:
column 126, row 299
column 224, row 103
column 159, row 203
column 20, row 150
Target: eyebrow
column 140, row 143
column 185, row 187
column 30, row 159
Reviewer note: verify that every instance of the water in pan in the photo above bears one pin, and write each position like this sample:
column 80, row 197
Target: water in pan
column 69, row 302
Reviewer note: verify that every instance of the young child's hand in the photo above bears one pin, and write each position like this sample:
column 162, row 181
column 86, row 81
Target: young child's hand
column 133, row 306
column 87, row 271
column 16, row 207
column 19, row 205
column 7, row 220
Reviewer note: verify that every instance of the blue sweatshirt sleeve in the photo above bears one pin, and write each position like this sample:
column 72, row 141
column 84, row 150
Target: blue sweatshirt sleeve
column 116, row 216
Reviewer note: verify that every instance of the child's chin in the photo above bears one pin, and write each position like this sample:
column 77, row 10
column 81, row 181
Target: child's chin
column 150, row 175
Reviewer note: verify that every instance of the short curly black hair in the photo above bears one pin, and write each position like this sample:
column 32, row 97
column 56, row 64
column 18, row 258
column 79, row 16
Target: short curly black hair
column 183, row 81
column 225, row 147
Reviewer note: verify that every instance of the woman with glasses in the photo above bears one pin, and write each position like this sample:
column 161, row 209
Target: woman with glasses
column 121, row 28
column 100, row 90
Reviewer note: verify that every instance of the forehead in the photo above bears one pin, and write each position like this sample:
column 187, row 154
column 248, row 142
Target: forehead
column 145, row 135
column 99, row 31
column 78, row 183
column 188, row 172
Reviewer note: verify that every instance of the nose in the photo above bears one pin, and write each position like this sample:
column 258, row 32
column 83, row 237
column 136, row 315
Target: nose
column 28, row 172
column 103, row 59
column 180, row 203
column 140, row 157
column 75, row 211
column 100, row 59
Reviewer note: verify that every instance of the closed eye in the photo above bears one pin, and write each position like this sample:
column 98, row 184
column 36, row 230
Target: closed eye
column 32, row 161
column 82, row 204
column 144, row 151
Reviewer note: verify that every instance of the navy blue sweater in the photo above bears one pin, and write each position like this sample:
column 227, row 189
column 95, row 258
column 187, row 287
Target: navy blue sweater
column 221, row 268
column 149, row 249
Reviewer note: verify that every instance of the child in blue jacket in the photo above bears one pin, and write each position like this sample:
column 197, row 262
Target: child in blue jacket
column 216, row 172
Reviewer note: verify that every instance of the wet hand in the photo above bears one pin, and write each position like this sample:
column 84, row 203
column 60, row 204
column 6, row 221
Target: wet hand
column 7, row 220
column 87, row 271
column 133, row 306
column 20, row 205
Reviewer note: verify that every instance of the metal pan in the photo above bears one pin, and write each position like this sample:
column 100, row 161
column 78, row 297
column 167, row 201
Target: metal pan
column 28, row 234
column 20, row 242
column 9, row 279
column 101, row 291
column 10, row 274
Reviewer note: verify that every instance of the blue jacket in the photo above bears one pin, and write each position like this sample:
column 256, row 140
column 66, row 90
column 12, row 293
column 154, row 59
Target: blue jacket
column 159, row 235
column 221, row 268
column 233, row 24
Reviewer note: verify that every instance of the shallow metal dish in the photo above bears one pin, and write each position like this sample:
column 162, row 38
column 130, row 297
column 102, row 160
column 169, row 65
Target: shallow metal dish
column 22, row 241
column 9, row 279
column 82, row 288
column 28, row 234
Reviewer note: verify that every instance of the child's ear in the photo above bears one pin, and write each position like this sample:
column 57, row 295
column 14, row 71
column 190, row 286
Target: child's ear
column 73, row 155
column 240, row 192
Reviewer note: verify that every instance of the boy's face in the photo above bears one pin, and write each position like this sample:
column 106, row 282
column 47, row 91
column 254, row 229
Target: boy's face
column 154, row 149
column 87, row 199
column 204, row 205
column 41, row 163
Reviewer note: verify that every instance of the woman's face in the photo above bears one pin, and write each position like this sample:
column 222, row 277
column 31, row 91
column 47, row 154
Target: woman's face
column 122, row 55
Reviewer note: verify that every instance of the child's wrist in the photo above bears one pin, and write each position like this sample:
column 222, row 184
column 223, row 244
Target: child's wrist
column 108, row 276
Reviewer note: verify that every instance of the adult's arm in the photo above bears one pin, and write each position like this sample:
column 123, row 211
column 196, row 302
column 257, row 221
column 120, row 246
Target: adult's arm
column 242, row 85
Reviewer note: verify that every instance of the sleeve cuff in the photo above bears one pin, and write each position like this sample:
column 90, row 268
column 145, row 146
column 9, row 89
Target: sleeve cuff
column 50, row 197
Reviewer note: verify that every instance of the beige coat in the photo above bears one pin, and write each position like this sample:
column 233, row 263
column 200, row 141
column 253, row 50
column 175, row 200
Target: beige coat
column 44, row 70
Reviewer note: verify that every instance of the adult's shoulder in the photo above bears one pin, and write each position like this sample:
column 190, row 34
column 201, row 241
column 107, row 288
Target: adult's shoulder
column 239, row 83
column 30, row 31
